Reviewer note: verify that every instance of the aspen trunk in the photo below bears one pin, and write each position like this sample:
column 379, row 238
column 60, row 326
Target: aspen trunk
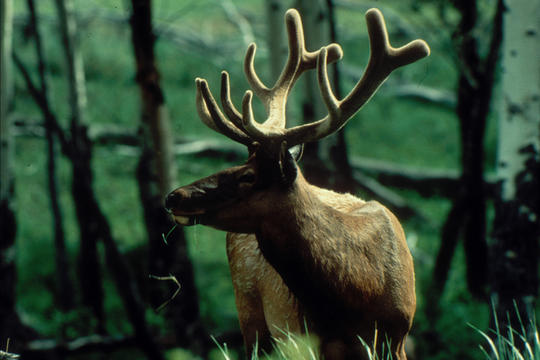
column 275, row 9
column 326, row 161
column 516, row 230
column 156, row 178
column 337, row 145
column 467, row 218
column 10, row 323
column 80, row 154
column 316, row 168
column 8, row 224
column 93, row 223
column 64, row 286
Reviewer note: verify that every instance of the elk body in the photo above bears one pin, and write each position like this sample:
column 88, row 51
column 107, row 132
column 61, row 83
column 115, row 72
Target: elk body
column 301, row 256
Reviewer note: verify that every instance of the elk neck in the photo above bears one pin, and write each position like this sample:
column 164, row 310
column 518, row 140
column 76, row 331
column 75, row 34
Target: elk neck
column 308, row 243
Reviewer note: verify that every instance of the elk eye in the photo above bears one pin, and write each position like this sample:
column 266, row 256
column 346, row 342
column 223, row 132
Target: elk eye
column 248, row 177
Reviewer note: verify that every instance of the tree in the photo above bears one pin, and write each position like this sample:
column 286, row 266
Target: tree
column 64, row 287
column 80, row 154
column 467, row 217
column 316, row 164
column 516, row 228
column 156, row 176
column 10, row 324
column 93, row 223
column 275, row 36
column 8, row 225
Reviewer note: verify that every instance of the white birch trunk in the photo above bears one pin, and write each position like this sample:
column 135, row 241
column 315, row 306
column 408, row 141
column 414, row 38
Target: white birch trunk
column 77, row 93
column 516, row 228
column 519, row 116
column 6, row 13
column 277, row 50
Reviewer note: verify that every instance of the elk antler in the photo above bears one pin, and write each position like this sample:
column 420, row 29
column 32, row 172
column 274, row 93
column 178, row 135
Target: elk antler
column 242, row 127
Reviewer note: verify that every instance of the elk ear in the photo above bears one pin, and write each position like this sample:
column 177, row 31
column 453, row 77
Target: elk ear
column 253, row 147
column 297, row 151
column 287, row 166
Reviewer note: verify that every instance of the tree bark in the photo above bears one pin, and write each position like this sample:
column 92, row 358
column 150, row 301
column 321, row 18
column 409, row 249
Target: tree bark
column 314, row 20
column 93, row 223
column 467, row 218
column 8, row 222
column 337, row 148
column 156, row 176
column 516, row 228
column 275, row 36
column 80, row 154
column 11, row 326
column 64, row 290
column 331, row 152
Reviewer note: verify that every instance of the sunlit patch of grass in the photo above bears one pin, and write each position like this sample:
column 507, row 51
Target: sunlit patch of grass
column 295, row 346
column 383, row 353
column 305, row 346
column 290, row 346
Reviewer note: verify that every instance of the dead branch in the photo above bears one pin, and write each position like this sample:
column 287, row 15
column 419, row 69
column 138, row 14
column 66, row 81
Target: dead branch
column 425, row 94
column 427, row 182
column 387, row 196
column 39, row 349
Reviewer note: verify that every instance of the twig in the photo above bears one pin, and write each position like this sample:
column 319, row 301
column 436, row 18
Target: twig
column 168, row 278
column 41, row 102
column 6, row 355
column 165, row 237
column 240, row 21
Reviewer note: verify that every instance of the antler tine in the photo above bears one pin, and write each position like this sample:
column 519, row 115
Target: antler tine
column 230, row 110
column 253, row 79
column 274, row 99
column 299, row 60
column 383, row 60
column 212, row 116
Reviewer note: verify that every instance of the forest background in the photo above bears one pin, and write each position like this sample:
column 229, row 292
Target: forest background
column 98, row 123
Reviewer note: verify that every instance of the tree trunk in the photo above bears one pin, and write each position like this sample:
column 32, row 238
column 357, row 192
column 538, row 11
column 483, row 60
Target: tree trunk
column 93, row 223
column 316, row 167
column 64, row 286
column 8, row 224
column 276, row 37
column 326, row 162
column 156, row 176
column 10, row 324
column 337, row 148
column 80, row 153
column 516, row 228
column 467, row 218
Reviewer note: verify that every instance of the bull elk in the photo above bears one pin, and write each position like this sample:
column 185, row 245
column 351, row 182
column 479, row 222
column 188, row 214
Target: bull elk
column 302, row 256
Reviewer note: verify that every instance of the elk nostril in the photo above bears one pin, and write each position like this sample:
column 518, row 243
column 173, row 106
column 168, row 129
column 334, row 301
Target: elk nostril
column 172, row 200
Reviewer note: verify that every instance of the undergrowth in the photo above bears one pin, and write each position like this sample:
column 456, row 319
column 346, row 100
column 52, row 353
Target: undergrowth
column 500, row 344
column 522, row 343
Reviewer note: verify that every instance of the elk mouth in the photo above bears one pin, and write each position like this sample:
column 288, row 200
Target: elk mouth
column 187, row 218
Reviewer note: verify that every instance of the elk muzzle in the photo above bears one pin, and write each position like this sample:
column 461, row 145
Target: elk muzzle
column 186, row 204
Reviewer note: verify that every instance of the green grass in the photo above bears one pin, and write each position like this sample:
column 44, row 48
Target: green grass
column 522, row 343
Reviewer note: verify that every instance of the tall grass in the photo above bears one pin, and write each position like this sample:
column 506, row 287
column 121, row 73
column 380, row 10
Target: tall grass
column 293, row 346
column 511, row 343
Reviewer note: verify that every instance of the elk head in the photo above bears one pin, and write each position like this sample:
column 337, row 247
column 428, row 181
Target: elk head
column 234, row 199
